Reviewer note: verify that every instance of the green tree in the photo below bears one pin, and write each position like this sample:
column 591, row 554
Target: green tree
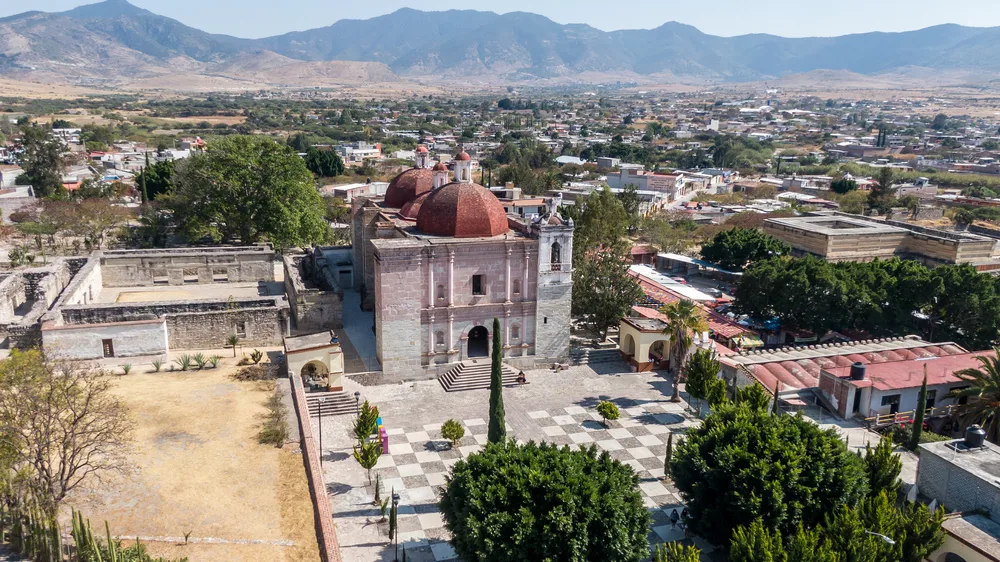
column 668, row 455
column 676, row 552
column 982, row 395
column 157, row 178
column 324, row 163
column 608, row 411
column 883, row 467
column 756, row 544
column 41, row 159
column 843, row 185
column 247, row 189
column 603, row 289
column 940, row 122
column 541, row 502
column 683, row 318
column 918, row 415
column 603, row 223
column 453, row 431
column 631, row 202
column 853, row 202
column 743, row 464
column 754, row 396
column 736, row 248
column 883, row 194
column 699, row 369
column 497, row 431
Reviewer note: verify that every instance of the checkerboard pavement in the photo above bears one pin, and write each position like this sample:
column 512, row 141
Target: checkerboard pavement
column 419, row 459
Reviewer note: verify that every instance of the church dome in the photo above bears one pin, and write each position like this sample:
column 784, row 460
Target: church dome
column 462, row 210
column 407, row 186
column 412, row 208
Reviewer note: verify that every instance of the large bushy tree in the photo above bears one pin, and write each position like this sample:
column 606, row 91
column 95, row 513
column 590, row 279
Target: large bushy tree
column 41, row 159
column 603, row 289
column 248, row 189
column 158, row 178
column 324, row 163
column 744, row 464
column 736, row 248
column 511, row 503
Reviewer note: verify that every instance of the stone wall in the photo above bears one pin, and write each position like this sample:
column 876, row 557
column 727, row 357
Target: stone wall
column 210, row 330
column 143, row 268
column 128, row 339
column 954, row 486
column 555, row 293
column 317, row 303
column 86, row 284
column 12, row 295
column 398, row 294
column 127, row 312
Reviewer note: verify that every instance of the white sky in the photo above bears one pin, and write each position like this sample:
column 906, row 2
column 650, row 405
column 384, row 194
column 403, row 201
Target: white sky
column 789, row 18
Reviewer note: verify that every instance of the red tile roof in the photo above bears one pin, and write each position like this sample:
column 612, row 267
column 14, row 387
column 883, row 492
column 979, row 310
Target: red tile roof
column 896, row 375
column 407, row 186
column 462, row 210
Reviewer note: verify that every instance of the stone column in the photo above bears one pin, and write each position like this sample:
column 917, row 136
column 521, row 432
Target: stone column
column 506, row 328
column 451, row 330
column 431, row 295
column 430, row 334
column 451, row 277
column 524, row 281
column 507, row 262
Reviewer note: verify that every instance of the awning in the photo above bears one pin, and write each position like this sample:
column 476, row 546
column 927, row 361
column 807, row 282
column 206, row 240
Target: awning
column 748, row 341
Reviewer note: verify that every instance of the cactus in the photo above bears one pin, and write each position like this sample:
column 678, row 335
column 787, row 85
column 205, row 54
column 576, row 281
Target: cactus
column 256, row 356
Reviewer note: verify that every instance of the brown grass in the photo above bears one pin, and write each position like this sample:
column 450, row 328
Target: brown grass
column 199, row 468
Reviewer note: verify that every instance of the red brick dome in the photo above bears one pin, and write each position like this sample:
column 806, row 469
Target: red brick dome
column 412, row 209
column 440, row 167
column 421, row 149
column 462, row 210
column 406, row 186
column 463, row 156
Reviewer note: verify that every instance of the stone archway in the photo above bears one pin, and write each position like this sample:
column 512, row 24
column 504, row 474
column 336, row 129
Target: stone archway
column 314, row 370
column 479, row 342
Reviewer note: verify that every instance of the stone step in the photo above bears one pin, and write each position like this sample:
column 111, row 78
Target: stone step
column 474, row 376
column 590, row 356
column 331, row 403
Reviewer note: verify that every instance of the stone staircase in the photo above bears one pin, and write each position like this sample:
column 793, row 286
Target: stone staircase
column 474, row 375
column 589, row 356
column 330, row 403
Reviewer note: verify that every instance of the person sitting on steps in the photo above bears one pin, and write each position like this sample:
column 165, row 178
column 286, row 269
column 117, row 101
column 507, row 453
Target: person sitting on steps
column 521, row 379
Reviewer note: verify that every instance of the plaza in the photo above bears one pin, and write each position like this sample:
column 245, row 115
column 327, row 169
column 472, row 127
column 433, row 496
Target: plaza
column 555, row 407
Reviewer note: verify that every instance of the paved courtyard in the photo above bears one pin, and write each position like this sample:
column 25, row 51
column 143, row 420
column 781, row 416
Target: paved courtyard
column 557, row 407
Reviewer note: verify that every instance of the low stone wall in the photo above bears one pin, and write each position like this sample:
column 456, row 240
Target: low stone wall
column 142, row 268
column 326, row 531
column 128, row 339
column 316, row 301
column 210, row 330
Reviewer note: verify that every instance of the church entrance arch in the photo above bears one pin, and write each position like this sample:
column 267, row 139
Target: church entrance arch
column 479, row 345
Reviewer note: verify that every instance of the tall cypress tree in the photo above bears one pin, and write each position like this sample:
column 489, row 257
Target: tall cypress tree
column 918, row 416
column 498, row 430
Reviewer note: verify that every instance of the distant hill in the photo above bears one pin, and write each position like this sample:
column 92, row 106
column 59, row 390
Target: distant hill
column 114, row 41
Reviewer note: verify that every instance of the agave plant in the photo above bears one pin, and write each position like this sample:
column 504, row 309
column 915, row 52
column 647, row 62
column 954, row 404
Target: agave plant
column 200, row 360
column 184, row 362
column 157, row 365
column 214, row 360
column 126, row 368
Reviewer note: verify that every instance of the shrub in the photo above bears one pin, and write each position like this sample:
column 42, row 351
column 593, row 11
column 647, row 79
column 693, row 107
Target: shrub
column 256, row 356
column 453, row 431
column 591, row 499
column 256, row 373
column 608, row 411
column 184, row 362
column 274, row 430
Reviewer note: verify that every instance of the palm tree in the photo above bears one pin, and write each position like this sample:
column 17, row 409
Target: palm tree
column 683, row 317
column 983, row 395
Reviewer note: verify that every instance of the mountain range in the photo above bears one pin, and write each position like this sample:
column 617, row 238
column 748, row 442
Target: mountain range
column 114, row 41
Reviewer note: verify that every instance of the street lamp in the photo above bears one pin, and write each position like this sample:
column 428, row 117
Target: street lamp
column 357, row 403
column 320, row 403
column 882, row 537
column 395, row 508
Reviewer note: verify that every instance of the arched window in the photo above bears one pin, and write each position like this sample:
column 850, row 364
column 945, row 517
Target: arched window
column 516, row 287
column 515, row 332
column 465, row 174
column 439, row 338
column 440, row 292
column 556, row 253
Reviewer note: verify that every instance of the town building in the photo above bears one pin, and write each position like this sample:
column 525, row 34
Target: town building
column 438, row 259
column 839, row 237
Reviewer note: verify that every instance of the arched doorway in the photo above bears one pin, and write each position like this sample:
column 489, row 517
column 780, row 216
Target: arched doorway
column 315, row 374
column 628, row 345
column 479, row 345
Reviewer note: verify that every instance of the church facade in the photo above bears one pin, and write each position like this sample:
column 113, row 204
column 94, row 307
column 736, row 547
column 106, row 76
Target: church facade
column 438, row 259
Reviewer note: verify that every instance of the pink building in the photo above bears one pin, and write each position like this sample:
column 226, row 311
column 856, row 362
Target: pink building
column 438, row 259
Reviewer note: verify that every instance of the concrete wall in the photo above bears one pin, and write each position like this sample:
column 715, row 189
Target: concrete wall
column 129, row 339
column 955, row 487
column 142, row 268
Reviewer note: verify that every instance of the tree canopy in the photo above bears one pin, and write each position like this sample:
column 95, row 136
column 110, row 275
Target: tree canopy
column 247, row 189
column 736, row 248
column 514, row 502
column 745, row 464
column 41, row 160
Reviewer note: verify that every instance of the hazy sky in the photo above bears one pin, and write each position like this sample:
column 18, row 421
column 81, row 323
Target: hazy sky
column 790, row 18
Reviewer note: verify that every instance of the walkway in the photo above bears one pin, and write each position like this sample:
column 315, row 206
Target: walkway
column 358, row 325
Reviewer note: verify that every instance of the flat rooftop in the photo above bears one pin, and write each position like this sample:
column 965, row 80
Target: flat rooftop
column 836, row 225
column 309, row 341
column 897, row 375
column 983, row 463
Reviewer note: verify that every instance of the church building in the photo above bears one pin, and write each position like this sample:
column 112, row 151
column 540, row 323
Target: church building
column 438, row 259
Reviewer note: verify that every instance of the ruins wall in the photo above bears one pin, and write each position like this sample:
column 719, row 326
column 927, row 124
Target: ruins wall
column 316, row 302
column 129, row 339
column 210, row 330
column 132, row 268
column 12, row 295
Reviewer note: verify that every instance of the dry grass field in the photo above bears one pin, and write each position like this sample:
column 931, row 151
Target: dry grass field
column 199, row 469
